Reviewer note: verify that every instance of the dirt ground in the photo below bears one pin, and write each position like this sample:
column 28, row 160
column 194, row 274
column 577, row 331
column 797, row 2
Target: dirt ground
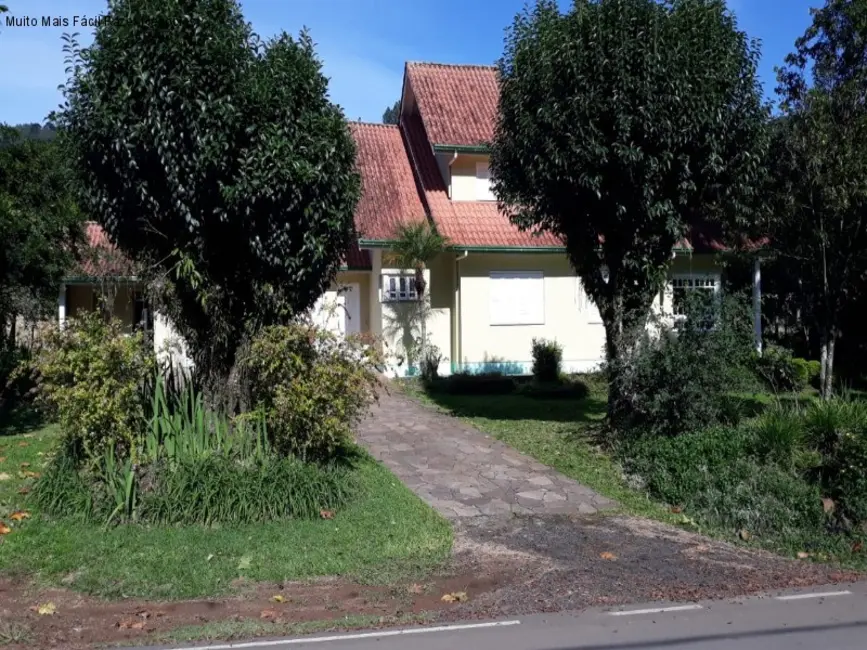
column 506, row 567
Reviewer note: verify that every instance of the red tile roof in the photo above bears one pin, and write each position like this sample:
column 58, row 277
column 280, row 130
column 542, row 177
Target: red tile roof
column 458, row 103
column 101, row 258
column 464, row 223
column 389, row 195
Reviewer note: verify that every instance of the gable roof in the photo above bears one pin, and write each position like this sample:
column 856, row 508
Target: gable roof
column 458, row 103
column 389, row 196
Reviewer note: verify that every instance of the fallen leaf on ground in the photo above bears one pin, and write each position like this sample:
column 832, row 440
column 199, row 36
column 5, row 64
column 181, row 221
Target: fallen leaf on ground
column 803, row 555
column 744, row 534
column 415, row 589
column 19, row 516
column 25, row 464
column 326, row 514
column 4, row 529
column 29, row 474
column 4, row 476
column 131, row 624
column 278, row 599
column 46, row 609
column 24, row 490
column 268, row 613
column 23, row 444
column 2, row 459
column 209, row 558
column 676, row 509
column 608, row 556
column 857, row 546
column 245, row 562
column 454, row 597
column 828, row 505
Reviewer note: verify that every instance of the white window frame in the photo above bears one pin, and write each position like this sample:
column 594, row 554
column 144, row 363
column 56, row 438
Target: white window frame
column 484, row 192
column 499, row 317
column 398, row 287
column 711, row 282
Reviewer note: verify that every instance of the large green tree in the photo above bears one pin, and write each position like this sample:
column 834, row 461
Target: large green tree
column 391, row 115
column 819, row 225
column 216, row 161
column 622, row 124
column 40, row 228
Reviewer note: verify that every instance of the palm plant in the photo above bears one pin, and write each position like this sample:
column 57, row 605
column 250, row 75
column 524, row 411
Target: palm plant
column 415, row 245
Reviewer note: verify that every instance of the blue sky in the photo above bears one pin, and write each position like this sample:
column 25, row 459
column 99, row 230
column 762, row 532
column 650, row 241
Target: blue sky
column 362, row 43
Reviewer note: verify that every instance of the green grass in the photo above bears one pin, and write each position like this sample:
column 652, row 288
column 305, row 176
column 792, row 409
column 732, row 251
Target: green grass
column 251, row 628
column 385, row 534
column 558, row 433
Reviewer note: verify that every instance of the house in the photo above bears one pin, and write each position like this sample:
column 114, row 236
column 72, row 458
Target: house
column 497, row 288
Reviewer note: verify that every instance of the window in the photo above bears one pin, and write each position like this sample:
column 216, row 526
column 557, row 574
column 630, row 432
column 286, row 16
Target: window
column 517, row 298
column 398, row 288
column 706, row 287
column 483, row 182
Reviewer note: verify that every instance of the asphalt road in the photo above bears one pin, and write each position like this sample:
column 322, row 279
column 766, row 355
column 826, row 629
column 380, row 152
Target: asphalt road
column 833, row 618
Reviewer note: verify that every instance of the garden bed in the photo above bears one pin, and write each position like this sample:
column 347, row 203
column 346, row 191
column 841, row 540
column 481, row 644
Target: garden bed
column 385, row 534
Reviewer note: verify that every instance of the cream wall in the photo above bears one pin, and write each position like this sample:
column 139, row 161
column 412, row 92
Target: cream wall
column 463, row 177
column 570, row 318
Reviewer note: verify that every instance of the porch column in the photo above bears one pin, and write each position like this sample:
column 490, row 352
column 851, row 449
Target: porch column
column 757, row 304
column 61, row 305
column 375, row 299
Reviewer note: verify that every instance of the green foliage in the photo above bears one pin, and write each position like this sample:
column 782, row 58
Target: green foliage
column 623, row 125
column 711, row 475
column 680, row 381
column 469, row 383
column 391, row 115
column 40, row 227
column 206, row 489
column 312, row 387
column 817, row 226
column 561, row 389
column 214, row 159
column 783, row 373
column 431, row 358
column 780, row 437
column 90, row 373
column 547, row 360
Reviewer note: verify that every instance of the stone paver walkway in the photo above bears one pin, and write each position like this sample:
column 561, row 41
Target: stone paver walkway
column 462, row 472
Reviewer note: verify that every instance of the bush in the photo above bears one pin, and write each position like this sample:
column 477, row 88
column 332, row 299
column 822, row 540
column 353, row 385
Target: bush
column 570, row 389
column 783, row 373
column 312, row 387
column 547, row 360
column 678, row 381
column 90, row 373
column 780, row 437
column 712, row 475
column 467, row 383
column 203, row 490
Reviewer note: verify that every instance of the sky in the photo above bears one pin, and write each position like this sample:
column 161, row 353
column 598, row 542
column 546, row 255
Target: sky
column 363, row 44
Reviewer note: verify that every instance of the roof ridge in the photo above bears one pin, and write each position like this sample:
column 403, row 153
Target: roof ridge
column 467, row 66
column 366, row 123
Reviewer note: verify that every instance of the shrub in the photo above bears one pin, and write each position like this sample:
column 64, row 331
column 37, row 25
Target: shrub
column 783, row 373
column 431, row 359
column 547, row 360
column 780, row 437
column 90, row 372
column 467, row 383
column 675, row 381
column 312, row 387
column 711, row 475
column 214, row 489
column 569, row 389
column 849, row 475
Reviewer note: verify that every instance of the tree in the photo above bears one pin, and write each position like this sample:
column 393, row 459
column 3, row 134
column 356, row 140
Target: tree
column 214, row 160
column 819, row 229
column 40, row 228
column 392, row 114
column 622, row 125
column 415, row 246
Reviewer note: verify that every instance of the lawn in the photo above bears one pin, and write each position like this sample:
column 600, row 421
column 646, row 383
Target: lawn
column 386, row 534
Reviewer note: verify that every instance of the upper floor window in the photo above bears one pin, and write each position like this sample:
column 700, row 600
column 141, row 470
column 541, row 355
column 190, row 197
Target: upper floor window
column 483, row 182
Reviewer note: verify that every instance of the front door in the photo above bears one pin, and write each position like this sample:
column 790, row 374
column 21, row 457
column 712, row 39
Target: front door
column 352, row 308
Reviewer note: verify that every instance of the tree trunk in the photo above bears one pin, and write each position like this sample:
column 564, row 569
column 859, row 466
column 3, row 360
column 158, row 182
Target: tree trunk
column 614, row 348
column 828, row 342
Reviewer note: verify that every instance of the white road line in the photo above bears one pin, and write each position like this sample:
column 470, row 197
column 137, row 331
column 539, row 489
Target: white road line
column 656, row 610
column 825, row 594
column 353, row 637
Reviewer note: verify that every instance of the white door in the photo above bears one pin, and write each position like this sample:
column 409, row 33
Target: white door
column 352, row 308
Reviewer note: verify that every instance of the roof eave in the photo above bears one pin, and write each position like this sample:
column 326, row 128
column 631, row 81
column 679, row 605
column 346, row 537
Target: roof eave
column 462, row 148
